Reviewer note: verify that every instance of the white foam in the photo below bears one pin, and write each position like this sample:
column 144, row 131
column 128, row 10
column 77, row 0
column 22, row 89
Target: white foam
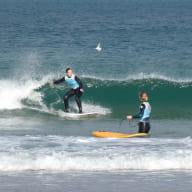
column 157, row 76
column 88, row 154
column 92, row 108
column 12, row 92
column 140, row 76
column 63, row 161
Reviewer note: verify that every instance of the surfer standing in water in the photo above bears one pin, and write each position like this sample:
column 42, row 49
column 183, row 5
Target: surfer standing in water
column 76, row 89
column 144, row 113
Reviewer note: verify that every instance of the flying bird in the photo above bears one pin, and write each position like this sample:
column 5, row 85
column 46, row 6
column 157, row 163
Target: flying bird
column 98, row 48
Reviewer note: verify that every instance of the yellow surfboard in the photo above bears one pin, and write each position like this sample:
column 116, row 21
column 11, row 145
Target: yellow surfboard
column 117, row 135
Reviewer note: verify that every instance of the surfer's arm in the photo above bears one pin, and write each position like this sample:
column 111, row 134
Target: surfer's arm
column 59, row 80
column 79, row 81
column 140, row 114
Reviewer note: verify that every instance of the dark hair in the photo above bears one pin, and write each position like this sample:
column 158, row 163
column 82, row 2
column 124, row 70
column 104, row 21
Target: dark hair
column 67, row 69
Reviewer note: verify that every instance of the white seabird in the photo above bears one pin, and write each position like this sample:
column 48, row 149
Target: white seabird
column 98, row 48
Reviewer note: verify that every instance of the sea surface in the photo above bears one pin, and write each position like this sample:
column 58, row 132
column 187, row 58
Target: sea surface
column 146, row 46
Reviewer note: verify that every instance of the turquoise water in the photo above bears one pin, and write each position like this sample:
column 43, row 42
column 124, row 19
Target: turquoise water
column 146, row 45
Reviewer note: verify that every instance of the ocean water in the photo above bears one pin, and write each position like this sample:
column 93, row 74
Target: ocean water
column 146, row 45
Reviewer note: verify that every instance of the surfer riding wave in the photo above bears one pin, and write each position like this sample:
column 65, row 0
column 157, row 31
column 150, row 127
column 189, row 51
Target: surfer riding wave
column 76, row 89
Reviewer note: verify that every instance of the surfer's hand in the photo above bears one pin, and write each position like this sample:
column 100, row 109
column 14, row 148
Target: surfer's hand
column 81, row 90
column 129, row 117
column 51, row 84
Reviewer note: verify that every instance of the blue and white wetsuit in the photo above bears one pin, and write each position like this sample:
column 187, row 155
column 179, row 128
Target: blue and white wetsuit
column 75, row 84
column 144, row 117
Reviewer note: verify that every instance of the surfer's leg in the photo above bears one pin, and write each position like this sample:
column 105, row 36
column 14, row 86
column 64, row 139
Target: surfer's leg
column 144, row 127
column 78, row 94
column 140, row 126
column 147, row 127
column 69, row 94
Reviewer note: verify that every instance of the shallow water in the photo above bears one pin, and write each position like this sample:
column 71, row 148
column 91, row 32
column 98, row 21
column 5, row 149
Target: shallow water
column 97, row 181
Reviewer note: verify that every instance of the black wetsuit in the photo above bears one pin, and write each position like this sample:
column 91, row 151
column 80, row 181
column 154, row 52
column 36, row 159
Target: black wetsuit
column 73, row 91
column 144, row 123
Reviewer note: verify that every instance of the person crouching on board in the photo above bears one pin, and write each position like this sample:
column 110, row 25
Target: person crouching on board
column 144, row 113
column 76, row 89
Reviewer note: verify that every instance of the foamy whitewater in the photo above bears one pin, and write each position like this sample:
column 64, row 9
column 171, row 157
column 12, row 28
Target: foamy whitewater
column 146, row 46
column 56, row 153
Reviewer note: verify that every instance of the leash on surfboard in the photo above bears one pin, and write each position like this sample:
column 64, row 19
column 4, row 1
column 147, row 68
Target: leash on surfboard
column 130, row 124
column 120, row 123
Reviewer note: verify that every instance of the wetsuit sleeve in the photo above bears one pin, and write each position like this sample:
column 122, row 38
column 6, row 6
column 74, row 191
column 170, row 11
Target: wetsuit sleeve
column 141, row 111
column 59, row 81
column 79, row 81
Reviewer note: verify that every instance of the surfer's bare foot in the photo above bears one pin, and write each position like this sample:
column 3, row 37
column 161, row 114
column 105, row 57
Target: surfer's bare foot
column 66, row 110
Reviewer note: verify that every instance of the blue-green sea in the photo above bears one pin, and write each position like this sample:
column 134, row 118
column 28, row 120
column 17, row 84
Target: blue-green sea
column 146, row 46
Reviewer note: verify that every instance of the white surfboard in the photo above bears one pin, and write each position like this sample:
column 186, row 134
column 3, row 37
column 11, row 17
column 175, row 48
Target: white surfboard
column 80, row 115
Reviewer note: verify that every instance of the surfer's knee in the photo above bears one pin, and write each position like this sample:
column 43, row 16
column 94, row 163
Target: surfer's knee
column 65, row 97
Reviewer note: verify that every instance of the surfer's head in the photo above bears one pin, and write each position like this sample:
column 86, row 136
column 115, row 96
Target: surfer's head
column 69, row 72
column 143, row 96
